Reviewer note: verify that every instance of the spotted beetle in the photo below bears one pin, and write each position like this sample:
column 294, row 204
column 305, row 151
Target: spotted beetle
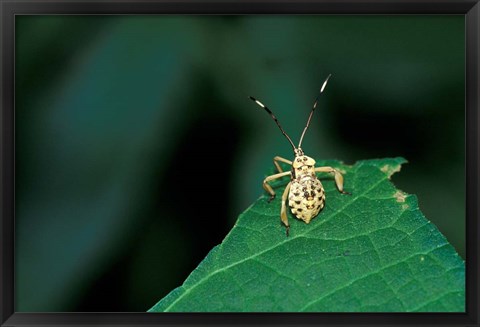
column 305, row 193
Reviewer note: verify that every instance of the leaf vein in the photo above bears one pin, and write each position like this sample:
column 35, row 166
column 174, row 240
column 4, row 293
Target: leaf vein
column 187, row 291
column 374, row 272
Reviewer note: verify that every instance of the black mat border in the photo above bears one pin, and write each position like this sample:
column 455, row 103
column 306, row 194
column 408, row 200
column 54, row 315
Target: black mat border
column 8, row 10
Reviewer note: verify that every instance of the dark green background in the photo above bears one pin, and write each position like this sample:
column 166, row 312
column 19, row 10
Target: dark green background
column 137, row 147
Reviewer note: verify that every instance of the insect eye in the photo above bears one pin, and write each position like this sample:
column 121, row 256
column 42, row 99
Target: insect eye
column 304, row 159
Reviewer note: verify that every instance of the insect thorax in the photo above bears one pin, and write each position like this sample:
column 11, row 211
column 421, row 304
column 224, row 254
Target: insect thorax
column 303, row 166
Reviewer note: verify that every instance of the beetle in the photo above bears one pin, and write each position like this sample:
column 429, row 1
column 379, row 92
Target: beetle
column 305, row 193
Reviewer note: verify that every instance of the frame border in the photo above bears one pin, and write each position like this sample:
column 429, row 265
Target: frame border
column 9, row 8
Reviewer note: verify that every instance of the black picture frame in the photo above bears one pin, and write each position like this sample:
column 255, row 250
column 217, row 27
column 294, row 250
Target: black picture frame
column 8, row 11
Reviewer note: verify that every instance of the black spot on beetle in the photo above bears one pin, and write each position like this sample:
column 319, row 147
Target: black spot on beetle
column 299, row 209
column 296, row 193
column 297, row 202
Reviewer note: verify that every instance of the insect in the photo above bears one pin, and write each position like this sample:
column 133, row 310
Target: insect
column 305, row 193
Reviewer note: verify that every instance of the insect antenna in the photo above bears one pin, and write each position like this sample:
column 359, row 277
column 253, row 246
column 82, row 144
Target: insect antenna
column 274, row 118
column 313, row 109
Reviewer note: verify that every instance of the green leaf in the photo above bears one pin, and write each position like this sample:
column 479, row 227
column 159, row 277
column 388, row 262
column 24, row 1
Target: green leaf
column 369, row 251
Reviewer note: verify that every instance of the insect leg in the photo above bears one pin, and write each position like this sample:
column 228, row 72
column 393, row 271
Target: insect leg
column 283, row 211
column 268, row 188
column 277, row 159
column 338, row 177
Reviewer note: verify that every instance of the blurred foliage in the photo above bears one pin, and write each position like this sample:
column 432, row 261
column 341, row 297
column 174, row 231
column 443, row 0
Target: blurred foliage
column 128, row 126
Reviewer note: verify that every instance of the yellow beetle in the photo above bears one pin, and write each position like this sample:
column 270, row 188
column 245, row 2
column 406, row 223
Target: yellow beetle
column 305, row 193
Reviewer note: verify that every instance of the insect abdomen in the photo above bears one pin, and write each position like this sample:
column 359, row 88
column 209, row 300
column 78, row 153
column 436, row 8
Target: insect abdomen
column 306, row 198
